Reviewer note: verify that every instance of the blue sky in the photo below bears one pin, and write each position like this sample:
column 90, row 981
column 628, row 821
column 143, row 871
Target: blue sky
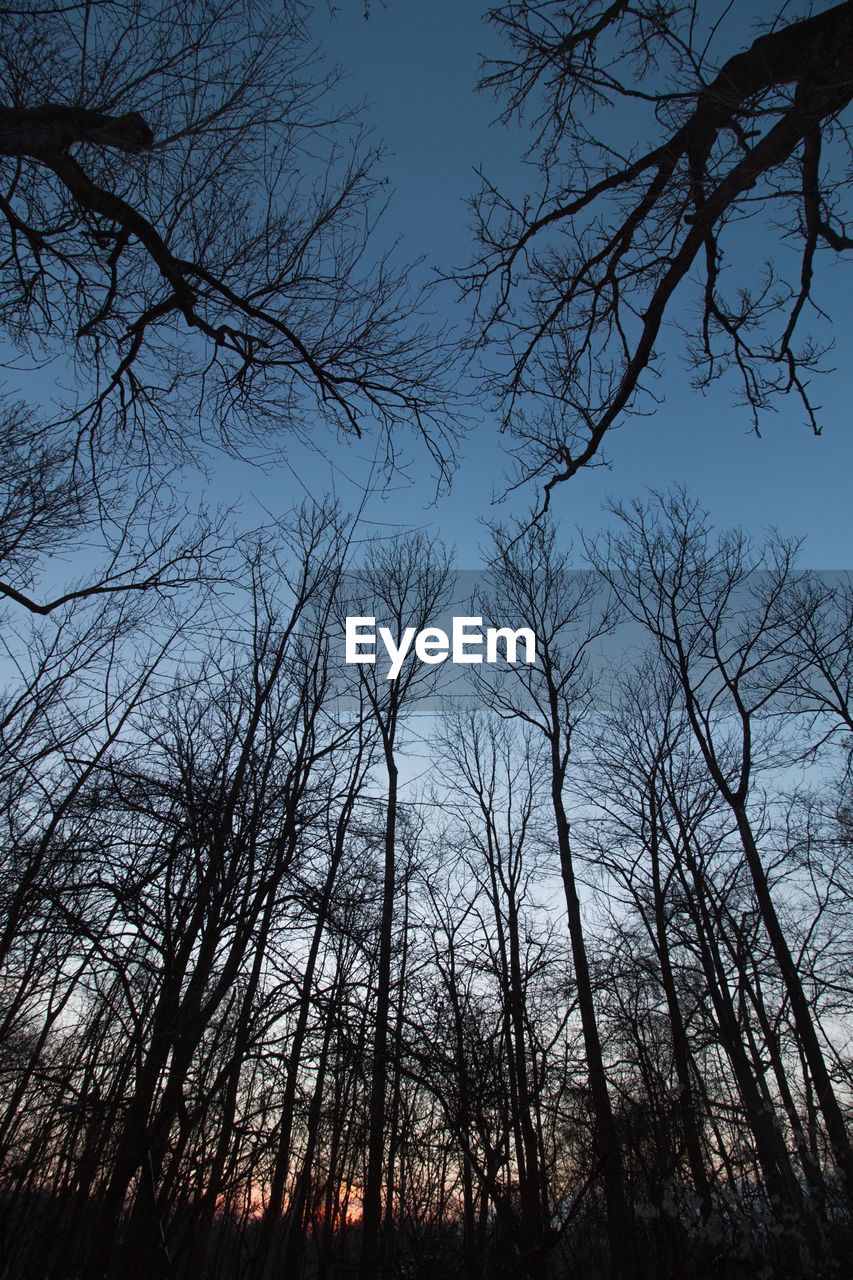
column 415, row 64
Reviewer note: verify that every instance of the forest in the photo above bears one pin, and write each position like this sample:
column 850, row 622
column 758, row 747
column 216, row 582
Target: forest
column 523, row 969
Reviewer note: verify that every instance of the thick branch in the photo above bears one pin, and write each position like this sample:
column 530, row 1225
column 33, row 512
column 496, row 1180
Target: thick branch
column 30, row 131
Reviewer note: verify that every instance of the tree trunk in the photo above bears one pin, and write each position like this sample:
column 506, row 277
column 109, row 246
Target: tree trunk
column 372, row 1202
column 623, row 1259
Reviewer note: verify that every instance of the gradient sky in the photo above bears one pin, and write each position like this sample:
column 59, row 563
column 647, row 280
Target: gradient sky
column 414, row 63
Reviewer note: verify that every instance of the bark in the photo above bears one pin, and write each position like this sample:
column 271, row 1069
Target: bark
column 680, row 1046
column 832, row 1114
column 371, row 1221
column 295, row 1246
column 281, row 1167
column 623, row 1257
column 770, row 1149
column 32, row 131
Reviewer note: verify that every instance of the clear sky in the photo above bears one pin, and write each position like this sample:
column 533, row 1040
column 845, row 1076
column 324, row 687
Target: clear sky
column 415, row 64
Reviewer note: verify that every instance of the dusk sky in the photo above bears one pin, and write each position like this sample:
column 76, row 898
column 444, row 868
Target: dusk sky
column 415, row 66
column 398, row 884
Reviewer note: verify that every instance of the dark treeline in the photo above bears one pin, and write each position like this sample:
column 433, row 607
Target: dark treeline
column 544, row 973
column 278, row 1000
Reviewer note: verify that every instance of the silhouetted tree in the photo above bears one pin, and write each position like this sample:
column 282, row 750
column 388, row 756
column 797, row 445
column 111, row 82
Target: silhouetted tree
column 654, row 142
column 712, row 608
column 185, row 210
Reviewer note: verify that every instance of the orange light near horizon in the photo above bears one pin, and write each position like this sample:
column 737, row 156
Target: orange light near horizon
column 250, row 1204
column 351, row 1203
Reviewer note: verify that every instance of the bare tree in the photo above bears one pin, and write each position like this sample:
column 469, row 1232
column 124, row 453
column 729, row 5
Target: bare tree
column 575, row 281
column 404, row 584
column 531, row 580
column 226, row 808
column 635, row 769
column 501, row 826
column 338, row 836
column 816, row 613
column 716, row 622
column 236, row 965
column 185, row 211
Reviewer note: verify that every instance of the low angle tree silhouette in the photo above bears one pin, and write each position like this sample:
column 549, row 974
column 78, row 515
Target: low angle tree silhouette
column 749, row 158
column 185, row 210
column 523, row 969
